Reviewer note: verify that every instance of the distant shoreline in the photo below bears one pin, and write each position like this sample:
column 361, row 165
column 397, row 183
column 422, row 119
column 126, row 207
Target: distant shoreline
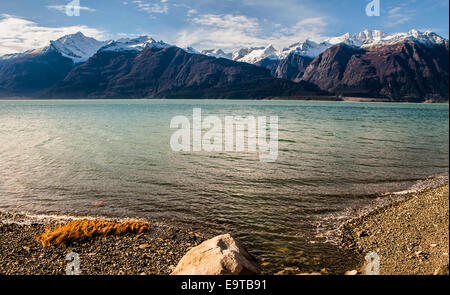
column 305, row 98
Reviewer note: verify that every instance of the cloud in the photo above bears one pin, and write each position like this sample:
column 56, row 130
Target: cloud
column 228, row 21
column 160, row 7
column 223, row 31
column 400, row 14
column 308, row 28
column 62, row 8
column 19, row 35
column 190, row 12
column 394, row 10
column 230, row 32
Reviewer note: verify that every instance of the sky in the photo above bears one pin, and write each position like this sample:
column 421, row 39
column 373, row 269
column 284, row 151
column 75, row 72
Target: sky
column 206, row 24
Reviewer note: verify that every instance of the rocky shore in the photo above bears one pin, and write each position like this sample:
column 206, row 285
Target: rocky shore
column 411, row 237
column 156, row 252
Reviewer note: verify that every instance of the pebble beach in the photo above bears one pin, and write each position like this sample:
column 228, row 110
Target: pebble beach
column 411, row 237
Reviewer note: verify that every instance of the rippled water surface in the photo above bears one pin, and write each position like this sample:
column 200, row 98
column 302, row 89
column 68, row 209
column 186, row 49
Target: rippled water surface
column 335, row 157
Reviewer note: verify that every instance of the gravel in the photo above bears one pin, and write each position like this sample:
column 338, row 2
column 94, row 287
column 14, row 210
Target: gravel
column 411, row 237
column 155, row 252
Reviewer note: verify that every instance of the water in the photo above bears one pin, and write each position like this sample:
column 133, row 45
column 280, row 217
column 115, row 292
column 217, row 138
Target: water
column 62, row 157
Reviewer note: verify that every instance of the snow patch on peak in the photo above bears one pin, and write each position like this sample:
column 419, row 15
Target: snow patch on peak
column 378, row 38
column 77, row 46
column 217, row 53
column 255, row 54
column 12, row 56
column 308, row 48
column 136, row 44
column 191, row 50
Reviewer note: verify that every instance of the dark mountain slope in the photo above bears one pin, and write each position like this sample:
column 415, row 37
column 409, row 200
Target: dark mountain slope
column 406, row 71
column 171, row 73
column 291, row 68
column 34, row 72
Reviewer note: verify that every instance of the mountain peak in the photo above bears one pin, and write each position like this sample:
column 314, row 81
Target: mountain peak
column 311, row 49
column 77, row 46
column 255, row 54
column 135, row 44
column 218, row 53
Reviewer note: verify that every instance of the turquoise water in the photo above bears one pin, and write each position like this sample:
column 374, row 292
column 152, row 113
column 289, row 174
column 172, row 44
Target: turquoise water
column 334, row 157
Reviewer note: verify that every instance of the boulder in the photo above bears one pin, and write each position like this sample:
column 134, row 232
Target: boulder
column 221, row 255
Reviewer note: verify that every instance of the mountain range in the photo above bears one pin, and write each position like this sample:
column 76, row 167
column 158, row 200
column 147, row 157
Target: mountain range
column 412, row 66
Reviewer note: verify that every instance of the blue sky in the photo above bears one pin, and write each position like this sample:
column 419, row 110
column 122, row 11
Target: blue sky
column 227, row 24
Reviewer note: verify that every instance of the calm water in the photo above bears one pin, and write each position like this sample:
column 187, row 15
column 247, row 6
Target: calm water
column 63, row 156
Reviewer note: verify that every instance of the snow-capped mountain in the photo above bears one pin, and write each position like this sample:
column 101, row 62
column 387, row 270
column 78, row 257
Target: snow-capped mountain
column 77, row 46
column 309, row 48
column 427, row 38
column 7, row 57
column 372, row 38
column 191, row 50
column 218, row 53
column 255, row 54
column 136, row 44
column 58, row 68
column 80, row 48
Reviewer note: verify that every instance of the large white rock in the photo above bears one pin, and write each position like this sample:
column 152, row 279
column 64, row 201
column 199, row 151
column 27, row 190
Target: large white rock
column 221, row 255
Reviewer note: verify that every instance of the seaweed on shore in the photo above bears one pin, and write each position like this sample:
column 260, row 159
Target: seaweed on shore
column 80, row 230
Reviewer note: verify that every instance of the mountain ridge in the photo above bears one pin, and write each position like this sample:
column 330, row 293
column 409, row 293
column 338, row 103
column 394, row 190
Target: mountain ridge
column 171, row 72
column 308, row 48
column 364, row 64
column 403, row 71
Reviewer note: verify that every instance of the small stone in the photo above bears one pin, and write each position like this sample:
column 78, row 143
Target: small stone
column 362, row 234
column 282, row 250
column 144, row 246
column 443, row 270
column 420, row 253
column 351, row 272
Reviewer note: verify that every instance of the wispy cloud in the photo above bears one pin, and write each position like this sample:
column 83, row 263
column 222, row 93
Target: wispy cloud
column 62, row 8
column 19, row 35
column 230, row 32
column 309, row 28
column 151, row 8
column 400, row 14
column 228, row 21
